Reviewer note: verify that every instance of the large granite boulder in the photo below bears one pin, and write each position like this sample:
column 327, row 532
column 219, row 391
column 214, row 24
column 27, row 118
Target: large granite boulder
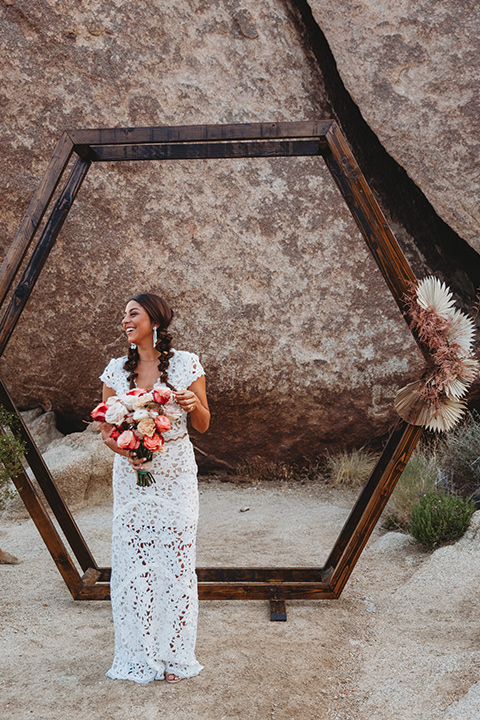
column 269, row 277
column 42, row 427
column 412, row 68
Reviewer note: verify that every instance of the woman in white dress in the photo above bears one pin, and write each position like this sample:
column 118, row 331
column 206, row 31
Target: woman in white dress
column 153, row 583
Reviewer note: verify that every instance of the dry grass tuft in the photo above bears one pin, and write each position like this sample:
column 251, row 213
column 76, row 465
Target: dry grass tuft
column 419, row 478
column 351, row 468
column 459, row 453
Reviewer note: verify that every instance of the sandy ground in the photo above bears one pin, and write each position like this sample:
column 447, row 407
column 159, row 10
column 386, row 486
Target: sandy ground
column 402, row 643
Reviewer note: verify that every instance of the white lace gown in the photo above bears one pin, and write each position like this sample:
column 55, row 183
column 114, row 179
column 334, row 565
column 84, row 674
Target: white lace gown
column 154, row 584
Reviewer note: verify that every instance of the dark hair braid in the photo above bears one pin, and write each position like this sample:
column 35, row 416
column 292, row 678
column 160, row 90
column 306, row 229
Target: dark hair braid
column 160, row 313
column 131, row 365
column 163, row 346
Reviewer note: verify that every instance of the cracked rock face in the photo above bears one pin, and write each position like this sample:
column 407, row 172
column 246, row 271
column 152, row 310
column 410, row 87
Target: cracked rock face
column 270, row 280
column 411, row 66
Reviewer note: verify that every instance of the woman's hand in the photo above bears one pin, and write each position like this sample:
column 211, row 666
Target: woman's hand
column 194, row 402
column 187, row 400
column 138, row 463
column 106, row 429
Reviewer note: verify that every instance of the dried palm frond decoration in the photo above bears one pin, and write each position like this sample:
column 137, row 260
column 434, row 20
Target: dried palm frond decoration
column 435, row 401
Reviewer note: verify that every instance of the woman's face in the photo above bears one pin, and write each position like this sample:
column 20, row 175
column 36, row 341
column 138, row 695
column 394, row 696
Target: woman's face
column 137, row 324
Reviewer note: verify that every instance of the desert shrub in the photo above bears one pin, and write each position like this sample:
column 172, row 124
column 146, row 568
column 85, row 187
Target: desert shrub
column 12, row 450
column 312, row 470
column 440, row 518
column 260, row 470
column 419, row 478
column 458, row 452
column 350, row 467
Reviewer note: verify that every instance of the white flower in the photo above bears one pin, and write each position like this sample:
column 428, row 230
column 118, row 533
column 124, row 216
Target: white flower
column 172, row 409
column 127, row 400
column 461, row 331
column 141, row 414
column 412, row 408
column 115, row 413
column 456, row 388
column 112, row 399
column 448, row 414
column 435, row 295
column 141, row 400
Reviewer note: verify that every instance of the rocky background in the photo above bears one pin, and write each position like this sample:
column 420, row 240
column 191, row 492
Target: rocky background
column 271, row 283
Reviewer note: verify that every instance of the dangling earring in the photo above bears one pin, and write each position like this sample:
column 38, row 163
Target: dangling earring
column 133, row 346
column 154, row 336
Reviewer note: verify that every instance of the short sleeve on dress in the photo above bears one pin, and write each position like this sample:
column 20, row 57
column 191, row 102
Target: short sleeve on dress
column 111, row 375
column 196, row 369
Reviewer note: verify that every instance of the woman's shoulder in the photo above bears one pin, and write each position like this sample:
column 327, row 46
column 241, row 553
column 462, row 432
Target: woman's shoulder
column 114, row 371
column 188, row 363
column 184, row 356
column 118, row 362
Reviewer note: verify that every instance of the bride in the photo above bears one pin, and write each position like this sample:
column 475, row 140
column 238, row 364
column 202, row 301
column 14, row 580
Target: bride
column 153, row 583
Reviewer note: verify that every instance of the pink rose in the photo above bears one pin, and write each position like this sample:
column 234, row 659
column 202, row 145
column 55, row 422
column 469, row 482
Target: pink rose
column 162, row 423
column 161, row 395
column 128, row 441
column 115, row 434
column 153, row 443
column 136, row 391
column 98, row 413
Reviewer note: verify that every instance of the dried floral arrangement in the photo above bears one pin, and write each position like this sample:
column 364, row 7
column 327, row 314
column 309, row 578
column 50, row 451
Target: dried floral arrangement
column 435, row 401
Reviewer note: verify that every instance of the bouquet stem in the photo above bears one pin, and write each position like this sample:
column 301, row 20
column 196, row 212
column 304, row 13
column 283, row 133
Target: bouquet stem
column 144, row 477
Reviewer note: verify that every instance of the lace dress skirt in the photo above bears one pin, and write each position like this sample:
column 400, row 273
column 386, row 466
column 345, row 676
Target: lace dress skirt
column 154, row 584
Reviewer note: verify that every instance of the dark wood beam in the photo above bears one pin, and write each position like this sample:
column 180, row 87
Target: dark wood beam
column 363, row 528
column 367, row 214
column 48, row 533
column 199, row 133
column 195, row 151
column 230, row 591
column 42, row 251
column 367, row 493
column 263, row 574
column 47, row 485
column 33, row 216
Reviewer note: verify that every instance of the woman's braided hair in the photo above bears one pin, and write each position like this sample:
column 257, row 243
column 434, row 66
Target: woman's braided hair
column 161, row 314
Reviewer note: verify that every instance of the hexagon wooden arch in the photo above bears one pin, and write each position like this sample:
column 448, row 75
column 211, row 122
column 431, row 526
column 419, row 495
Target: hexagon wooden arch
column 321, row 138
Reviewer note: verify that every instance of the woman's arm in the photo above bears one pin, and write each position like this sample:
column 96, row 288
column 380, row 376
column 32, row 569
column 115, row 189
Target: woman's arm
column 194, row 401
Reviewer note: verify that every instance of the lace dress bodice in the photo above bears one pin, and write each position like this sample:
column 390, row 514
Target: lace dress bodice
column 153, row 584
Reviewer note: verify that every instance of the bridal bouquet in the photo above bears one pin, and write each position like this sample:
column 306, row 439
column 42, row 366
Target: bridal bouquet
column 139, row 420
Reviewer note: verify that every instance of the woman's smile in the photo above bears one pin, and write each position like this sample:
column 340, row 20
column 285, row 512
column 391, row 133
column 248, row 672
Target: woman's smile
column 136, row 323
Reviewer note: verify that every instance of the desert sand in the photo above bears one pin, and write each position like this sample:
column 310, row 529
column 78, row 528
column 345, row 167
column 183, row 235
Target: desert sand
column 402, row 642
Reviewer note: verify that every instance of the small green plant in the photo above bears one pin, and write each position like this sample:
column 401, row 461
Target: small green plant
column 419, row 478
column 12, row 450
column 439, row 519
column 350, row 467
